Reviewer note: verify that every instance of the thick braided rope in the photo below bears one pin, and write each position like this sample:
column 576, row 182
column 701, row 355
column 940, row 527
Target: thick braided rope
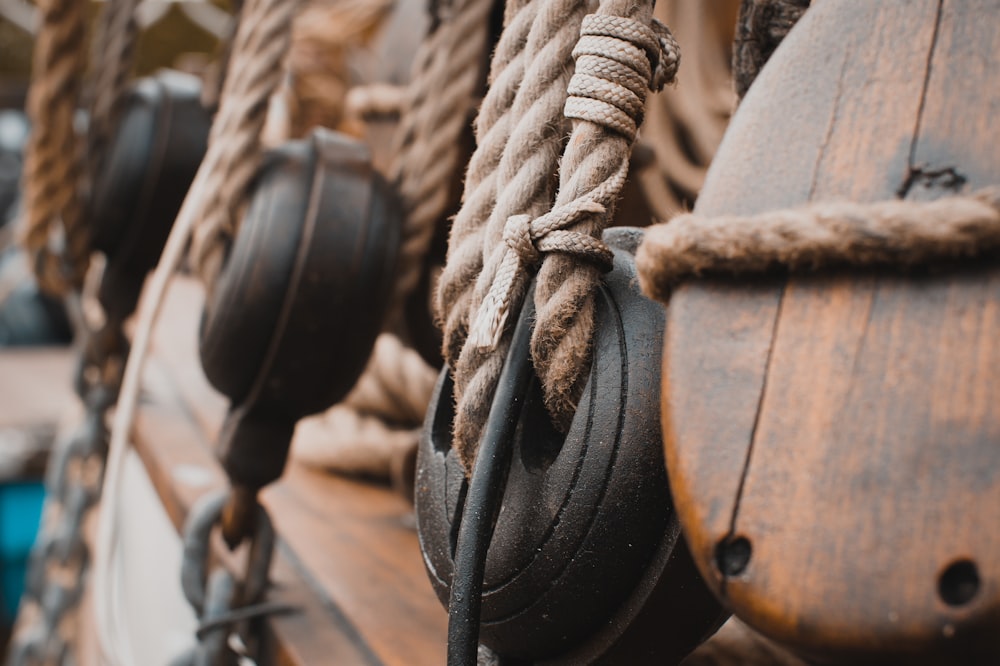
column 523, row 186
column 254, row 73
column 493, row 127
column 818, row 236
column 447, row 70
column 52, row 165
column 593, row 171
column 760, row 28
column 112, row 54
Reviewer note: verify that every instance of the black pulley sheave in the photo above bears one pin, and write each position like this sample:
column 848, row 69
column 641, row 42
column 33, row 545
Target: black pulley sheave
column 149, row 163
column 291, row 321
column 586, row 560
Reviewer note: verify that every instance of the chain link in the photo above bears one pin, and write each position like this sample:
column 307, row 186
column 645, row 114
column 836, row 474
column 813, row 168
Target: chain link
column 60, row 559
column 225, row 605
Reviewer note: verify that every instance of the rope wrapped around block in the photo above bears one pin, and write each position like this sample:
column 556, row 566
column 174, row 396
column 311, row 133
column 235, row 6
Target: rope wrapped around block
column 819, row 235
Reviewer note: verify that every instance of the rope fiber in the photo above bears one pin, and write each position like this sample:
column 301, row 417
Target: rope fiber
column 512, row 223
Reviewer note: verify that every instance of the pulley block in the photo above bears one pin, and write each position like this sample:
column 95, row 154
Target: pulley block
column 152, row 157
column 586, row 560
column 291, row 321
column 832, row 438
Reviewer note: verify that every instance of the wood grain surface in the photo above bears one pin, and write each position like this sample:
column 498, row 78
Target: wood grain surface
column 843, row 426
column 348, row 553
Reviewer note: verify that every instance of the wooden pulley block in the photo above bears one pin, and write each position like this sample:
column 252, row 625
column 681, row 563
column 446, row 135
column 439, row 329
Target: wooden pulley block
column 158, row 144
column 833, row 440
column 291, row 321
column 586, row 562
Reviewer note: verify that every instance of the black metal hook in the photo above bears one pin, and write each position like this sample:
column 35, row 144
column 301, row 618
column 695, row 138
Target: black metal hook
column 486, row 491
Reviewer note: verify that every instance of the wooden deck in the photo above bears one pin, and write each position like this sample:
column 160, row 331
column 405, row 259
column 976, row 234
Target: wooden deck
column 348, row 555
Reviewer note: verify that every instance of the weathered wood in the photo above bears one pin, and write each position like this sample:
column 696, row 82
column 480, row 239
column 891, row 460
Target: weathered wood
column 348, row 554
column 844, row 424
column 35, row 396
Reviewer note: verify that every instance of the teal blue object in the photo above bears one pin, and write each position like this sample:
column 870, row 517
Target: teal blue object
column 20, row 515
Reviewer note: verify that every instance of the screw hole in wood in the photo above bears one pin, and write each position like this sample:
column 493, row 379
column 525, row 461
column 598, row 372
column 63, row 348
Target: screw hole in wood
column 959, row 583
column 732, row 555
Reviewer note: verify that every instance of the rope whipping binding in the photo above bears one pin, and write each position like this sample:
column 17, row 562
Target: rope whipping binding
column 510, row 223
column 208, row 218
column 60, row 561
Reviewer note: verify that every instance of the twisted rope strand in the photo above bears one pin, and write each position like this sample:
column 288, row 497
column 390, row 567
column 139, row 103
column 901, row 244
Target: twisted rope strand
column 254, row 73
column 817, row 236
column 524, row 186
column 446, row 74
column 113, row 54
column 493, row 127
column 594, row 169
column 52, row 165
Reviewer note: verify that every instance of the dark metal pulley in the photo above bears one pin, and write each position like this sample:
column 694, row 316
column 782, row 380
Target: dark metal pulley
column 293, row 316
column 153, row 155
column 586, row 562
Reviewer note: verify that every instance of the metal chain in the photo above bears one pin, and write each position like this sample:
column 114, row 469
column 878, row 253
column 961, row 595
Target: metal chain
column 60, row 559
column 225, row 606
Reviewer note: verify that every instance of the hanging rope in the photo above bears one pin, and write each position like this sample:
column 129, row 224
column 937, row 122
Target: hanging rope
column 820, row 235
column 218, row 191
column 53, row 209
column 519, row 136
column 112, row 54
column 446, row 74
column 760, row 28
column 234, row 151
column 618, row 58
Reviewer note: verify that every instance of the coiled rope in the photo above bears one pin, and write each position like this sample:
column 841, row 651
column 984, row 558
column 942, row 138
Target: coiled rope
column 509, row 223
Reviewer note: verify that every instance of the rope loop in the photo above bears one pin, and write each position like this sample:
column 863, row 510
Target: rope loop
column 529, row 239
column 617, row 60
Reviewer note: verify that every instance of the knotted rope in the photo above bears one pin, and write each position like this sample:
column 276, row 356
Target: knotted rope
column 820, row 235
column 519, row 137
column 52, row 165
column 760, row 28
column 619, row 56
column 446, row 74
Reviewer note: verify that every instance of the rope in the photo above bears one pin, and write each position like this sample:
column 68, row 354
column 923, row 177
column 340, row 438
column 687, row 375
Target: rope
column 234, row 153
column 222, row 181
column 760, row 28
column 378, row 424
column 113, row 54
column 820, row 235
column 519, row 135
column 618, row 58
column 52, row 166
column 446, row 76
column 317, row 67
